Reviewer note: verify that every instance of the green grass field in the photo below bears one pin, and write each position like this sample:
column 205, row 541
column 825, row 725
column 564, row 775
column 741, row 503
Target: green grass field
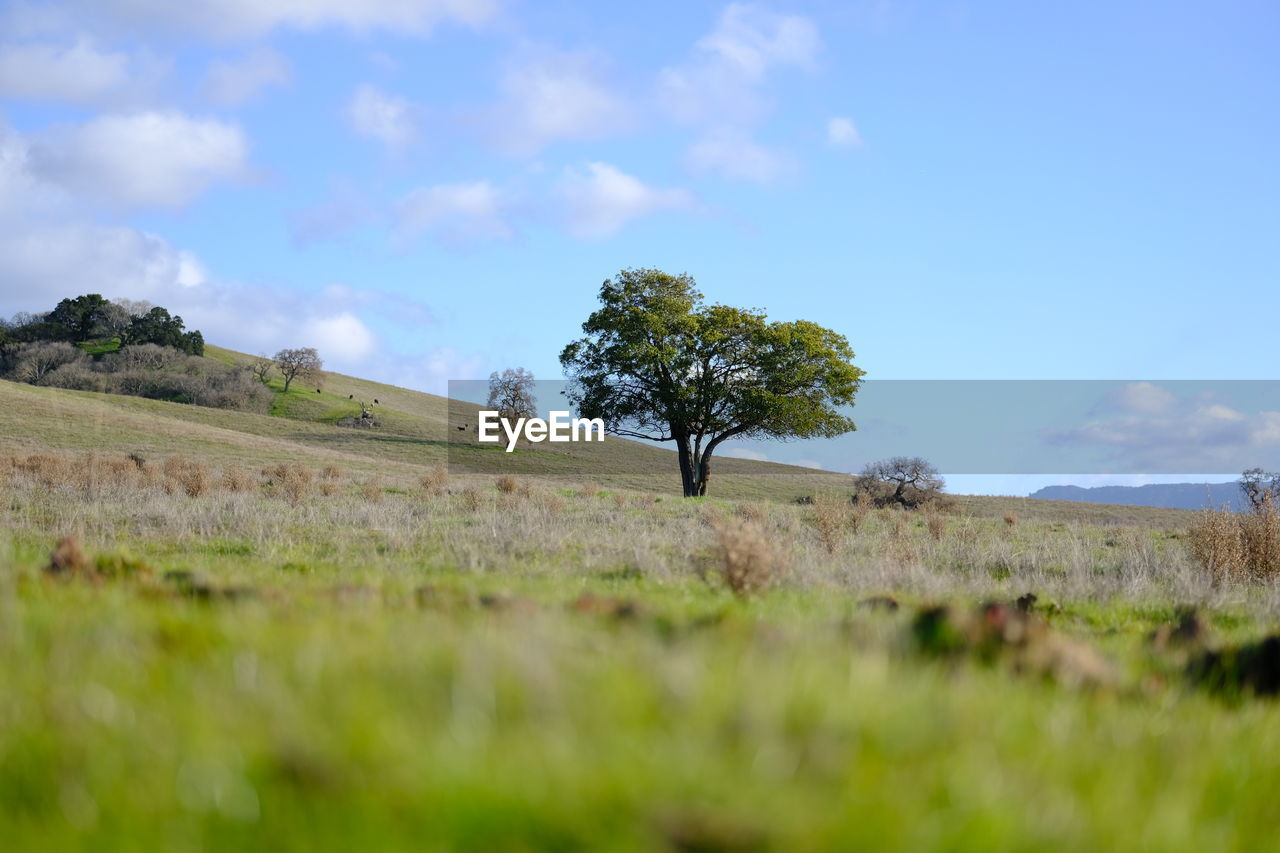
column 356, row 651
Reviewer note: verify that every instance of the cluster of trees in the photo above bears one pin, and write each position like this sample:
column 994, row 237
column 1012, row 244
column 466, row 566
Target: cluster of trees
column 148, row 352
column 92, row 317
column 302, row 363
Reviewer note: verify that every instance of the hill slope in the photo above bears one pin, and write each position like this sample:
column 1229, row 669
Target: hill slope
column 417, row 431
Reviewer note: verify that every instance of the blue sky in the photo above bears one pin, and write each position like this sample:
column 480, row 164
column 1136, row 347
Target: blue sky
column 432, row 189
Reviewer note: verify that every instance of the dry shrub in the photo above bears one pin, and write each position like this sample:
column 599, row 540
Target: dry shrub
column 510, row 485
column 620, row 500
column 371, row 490
column 1262, row 539
column 588, row 490
column 471, row 498
column 858, row 513
column 937, row 525
column 173, row 466
column 747, row 561
column 195, row 480
column 549, row 503
column 1233, row 546
column 236, row 479
column 44, row 469
column 830, row 520
column 435, row 481
column 900, row 549
column 1217, row 544
column 292, row 482
column 68, row 558
column 1010, row 519
column 330, row 480
column 756, row 512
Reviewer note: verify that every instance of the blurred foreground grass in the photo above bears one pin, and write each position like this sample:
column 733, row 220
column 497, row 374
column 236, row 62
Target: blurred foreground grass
column 133, row 717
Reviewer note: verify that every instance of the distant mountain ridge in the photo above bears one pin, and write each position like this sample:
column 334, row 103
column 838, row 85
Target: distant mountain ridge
column 1167, row 495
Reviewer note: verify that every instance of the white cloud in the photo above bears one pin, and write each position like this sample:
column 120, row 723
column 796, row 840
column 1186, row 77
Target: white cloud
column 1149, row 428
column 45, row 262
column 744, row 453
column 806, row 463
column 253, row 18
column 557, row 97
column 753, row 39
column 734, row 154
column 389, row 119
column 78, row 72
column 456, row 212
column 162, row 159
column 231, row 82
column 843, row 133
column 724, row 77
column 1143, row 398
column 603, row 199
column 344, row 336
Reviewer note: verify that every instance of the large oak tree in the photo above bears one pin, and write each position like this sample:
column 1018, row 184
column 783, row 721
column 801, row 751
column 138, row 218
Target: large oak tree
column 657, row 363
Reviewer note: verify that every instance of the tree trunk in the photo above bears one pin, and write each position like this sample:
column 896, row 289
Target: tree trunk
column 687, row 481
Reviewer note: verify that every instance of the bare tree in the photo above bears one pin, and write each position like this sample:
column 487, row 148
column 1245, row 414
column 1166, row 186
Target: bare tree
column 1260, row 487
column 261, row 368
column 301, row 363
column 904, row 480
column 33, row 362
column 511, row 394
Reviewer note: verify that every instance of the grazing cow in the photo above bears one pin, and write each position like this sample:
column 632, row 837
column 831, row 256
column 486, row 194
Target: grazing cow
column 317, row 390
column 462, row 429
column 375, row 402
column 351, row 396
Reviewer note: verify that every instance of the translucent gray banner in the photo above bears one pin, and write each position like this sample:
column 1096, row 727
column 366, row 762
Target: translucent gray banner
column 974, row 427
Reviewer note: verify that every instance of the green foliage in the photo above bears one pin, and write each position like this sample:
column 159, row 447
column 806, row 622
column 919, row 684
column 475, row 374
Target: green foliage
column 78, row 318
column 657, row 363
column 157, row 326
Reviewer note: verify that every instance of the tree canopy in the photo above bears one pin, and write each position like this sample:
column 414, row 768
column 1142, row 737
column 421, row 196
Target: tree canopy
column 511, row 394
column 299, row 363
column 658, row 363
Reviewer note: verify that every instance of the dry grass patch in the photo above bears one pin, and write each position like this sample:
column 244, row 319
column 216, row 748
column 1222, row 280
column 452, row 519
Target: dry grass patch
column 1232, row 546
column 510, row 485
column 831, row 519
column 372, row 490
column 471, row 499
column 292, row 482
column 235, row 479
column 435, row 481
column 746, row 559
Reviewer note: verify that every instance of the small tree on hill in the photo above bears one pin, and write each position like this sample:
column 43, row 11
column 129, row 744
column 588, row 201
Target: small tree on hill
column 1260, row 487
column 907, row 481
column 301, row 363
column 511, row 394
column 261, row 368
